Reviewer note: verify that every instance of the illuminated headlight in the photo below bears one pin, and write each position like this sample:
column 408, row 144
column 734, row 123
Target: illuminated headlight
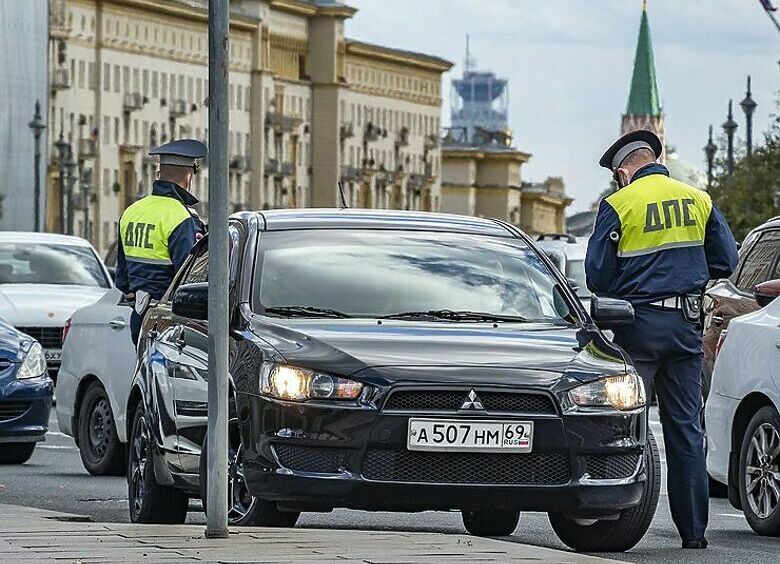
column 33, row 365
column 291, row 383
column 623, row 392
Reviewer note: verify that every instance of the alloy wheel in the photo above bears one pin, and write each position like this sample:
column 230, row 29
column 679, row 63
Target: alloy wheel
column 100, row 426
column 139, row 456
column 240, row 501
column 762, row 471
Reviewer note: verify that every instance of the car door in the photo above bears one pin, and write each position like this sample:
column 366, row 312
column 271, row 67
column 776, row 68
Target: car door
column 733, row 297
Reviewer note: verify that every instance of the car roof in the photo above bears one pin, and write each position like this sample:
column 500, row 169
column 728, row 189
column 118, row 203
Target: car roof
column 34, row 237
column 334, row 218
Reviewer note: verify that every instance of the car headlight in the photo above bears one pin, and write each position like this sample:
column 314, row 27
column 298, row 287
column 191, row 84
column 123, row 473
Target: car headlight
column 34, row 363
column 291, row 383
column 624, row 392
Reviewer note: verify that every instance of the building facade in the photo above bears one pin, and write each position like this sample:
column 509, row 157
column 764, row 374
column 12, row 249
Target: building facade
column 308, row 108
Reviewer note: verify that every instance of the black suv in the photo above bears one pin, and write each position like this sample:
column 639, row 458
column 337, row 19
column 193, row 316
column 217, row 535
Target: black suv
column 401, row 361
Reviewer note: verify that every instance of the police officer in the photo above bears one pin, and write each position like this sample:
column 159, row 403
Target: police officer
column 157, row 232
column 656, row 243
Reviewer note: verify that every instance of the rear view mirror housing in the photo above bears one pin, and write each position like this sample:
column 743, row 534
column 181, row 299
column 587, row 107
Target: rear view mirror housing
column 609, row 313
column 191, row 301
column 766, row 292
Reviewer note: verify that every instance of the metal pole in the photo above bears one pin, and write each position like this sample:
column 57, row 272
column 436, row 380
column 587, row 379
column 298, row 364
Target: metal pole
column 62, row 147
column 216, row 524
column 37, row 127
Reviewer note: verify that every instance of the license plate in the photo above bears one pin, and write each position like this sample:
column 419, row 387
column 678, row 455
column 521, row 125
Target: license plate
column 52, row 355
column 469, row 435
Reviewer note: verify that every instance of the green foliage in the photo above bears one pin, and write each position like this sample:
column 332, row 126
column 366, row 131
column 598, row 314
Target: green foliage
column 751, row 196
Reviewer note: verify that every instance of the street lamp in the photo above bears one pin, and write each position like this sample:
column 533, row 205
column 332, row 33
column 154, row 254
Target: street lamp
column 710, row 149
column 70, row 166
column 63, row 149
column 749, row 107
column 37, row 127
column 730, row 127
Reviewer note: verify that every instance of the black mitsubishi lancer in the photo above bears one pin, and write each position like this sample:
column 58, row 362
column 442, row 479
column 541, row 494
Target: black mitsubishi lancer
column 395, row 361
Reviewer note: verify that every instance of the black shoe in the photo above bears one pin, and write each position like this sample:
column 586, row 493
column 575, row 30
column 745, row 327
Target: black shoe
column 700, row 543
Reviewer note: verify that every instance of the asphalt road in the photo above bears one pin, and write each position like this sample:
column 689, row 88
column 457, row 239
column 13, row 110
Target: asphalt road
column 55, row 479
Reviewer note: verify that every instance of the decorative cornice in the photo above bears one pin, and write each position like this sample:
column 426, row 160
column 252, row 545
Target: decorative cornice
column 478, row 153
column 182, row 11
column 300, row 8
column 427, row 62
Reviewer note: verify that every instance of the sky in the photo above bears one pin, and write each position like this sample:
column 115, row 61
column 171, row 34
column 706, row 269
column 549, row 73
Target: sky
column 569, row 65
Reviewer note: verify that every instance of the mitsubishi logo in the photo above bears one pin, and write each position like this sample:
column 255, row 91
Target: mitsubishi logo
column 472, row 402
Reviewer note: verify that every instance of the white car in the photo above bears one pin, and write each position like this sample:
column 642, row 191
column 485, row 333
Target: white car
column 568, row 254
column 743, row 424
column 98, row 360
column 44, row 278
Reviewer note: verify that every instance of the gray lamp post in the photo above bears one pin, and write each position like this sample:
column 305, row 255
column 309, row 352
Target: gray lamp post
column 730, row 127
column 70, row 165
column 710, row 149
column 37, row 127
column 63, row 150
column 749, row 108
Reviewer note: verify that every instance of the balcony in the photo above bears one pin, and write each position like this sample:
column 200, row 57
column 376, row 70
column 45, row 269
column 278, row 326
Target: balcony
column 178, row 108
column 239, row 163
column 281, row 123
column 287, row 169
column 350, row 174
column 87, row 149
column 271, row 167
column 374, row 132
column 60, row 80
column 403, row 137
column 347, row 131
column 133, row 101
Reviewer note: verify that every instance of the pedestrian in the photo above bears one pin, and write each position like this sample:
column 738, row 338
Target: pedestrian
column 157, row 232
column 656, row 243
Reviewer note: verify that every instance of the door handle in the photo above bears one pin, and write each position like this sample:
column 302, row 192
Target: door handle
column 117, row 323
column 717, row 319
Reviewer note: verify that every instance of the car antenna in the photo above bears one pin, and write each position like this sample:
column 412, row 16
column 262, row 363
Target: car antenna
column 341, row 193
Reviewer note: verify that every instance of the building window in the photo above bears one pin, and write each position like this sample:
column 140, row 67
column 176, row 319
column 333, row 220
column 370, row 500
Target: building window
column 126, row 79
column 155, row 90
column 239, row 99
column 116, row 131
column 191, row 89
column 117, row 72
column 106, row 181
column 247, row 98
column 106, row 133
column 106, row 77
column 163, row 85
column 145, row 83
column 181, row 91
column 82, row 74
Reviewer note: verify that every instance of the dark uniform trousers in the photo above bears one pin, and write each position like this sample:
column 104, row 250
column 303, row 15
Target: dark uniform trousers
column 666, row 350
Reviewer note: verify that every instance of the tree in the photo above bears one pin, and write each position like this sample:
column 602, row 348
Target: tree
column 751, row 196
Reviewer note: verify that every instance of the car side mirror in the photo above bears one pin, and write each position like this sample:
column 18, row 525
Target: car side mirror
column 191, row 301
column 766, row 292
column 609, row 312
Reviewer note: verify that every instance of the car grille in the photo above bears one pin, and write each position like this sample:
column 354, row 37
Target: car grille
column 452, row 401
column 465, row 468
column 48, row 337
column 612, row 466
column 310, row 459
column 13, row 409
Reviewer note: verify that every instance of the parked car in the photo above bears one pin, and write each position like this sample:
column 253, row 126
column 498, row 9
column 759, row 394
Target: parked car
column 759, row 261
column 390, row 360
column 743, row 425
column 98, row 361
column 25, row 395
column 44, row 278
column 568, row 254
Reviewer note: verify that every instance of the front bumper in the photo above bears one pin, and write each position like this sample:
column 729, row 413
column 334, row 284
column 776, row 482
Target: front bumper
column 317, row 457
column 25, row 406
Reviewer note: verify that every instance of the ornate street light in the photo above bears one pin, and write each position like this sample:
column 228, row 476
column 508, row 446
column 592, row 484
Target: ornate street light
column 37, row 126
column 710, row 149
column 749, row 107
column 70, row 165
column 63, row 150
column 730, row 127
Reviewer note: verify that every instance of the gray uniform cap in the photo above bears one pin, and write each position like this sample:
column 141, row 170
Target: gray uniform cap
column 183, row 152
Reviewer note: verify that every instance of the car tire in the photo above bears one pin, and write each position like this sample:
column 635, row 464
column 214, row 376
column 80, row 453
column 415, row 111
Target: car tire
column 490, row 522
column 16, row 453
column 759, row 467
column 101, row 452
column 243, row 508
column 623, row 533
column 148, row 501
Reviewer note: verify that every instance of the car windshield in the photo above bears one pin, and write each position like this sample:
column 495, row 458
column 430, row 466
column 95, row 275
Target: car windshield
column 575, row 270
column 45, row 263
column 405, row 274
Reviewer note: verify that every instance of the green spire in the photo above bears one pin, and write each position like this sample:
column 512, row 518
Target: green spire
column 643, row 99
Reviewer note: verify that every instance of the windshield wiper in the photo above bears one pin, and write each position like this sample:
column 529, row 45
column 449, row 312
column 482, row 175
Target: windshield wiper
column 305, row 311
column 452, row 315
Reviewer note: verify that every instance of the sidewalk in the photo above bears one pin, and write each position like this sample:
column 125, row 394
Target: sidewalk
column 35, row 535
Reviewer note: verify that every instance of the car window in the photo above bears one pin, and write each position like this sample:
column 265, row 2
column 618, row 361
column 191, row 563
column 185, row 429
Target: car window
column 47, row 263
column 380, row 273
column 199, row 272
column 575, row 270
column 759, row 260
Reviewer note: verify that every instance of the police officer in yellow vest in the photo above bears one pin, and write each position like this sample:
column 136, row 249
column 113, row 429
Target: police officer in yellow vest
column 158, row 231
column 656, row 243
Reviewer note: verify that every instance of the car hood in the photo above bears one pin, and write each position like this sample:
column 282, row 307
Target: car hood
column 44, row 305
column 10, row 343
column 452, row 350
